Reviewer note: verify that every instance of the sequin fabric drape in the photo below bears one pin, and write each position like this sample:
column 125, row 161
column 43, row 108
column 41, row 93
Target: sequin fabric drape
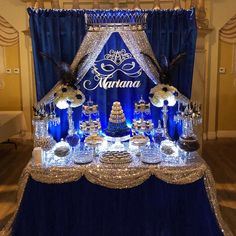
column 136, row 41
column 122, row 177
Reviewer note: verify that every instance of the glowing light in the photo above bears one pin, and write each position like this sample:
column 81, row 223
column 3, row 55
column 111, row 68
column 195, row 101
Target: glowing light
column 62, row 104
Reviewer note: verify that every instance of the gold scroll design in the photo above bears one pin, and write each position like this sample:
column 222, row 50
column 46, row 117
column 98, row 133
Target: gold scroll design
column 228, row 31
column 8, row 35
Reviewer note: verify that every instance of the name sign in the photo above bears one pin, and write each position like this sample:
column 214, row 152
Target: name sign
column 113, row 62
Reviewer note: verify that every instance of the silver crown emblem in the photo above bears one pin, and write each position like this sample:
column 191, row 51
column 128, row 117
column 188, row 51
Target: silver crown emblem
column 118, row 56
column 116, row 18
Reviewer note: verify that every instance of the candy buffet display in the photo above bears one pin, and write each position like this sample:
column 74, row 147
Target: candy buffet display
column 120, row 141
column 113, row 148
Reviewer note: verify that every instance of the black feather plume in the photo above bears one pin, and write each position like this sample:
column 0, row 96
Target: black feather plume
column 65, row 73
column 177, row 60
column 164, row 68
column 79, row 66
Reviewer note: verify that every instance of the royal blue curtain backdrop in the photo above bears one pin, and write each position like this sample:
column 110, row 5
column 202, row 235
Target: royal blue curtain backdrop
column 59, row 33
column 154, row 208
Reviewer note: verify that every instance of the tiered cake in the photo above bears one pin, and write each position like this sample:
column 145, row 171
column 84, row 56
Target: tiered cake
column 117, row 126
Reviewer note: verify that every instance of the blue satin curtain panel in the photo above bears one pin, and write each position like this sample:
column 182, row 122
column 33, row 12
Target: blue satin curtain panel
column 59, row 33
column 172, row 32
column 154, row 208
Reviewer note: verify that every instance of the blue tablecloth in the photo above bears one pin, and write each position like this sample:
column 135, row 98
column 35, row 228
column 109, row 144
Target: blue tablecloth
column 154, row 208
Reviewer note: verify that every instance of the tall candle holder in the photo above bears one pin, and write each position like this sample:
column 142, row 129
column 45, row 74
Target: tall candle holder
column 165, row 119
column 72, row 138
column 52, row 117
column 40, row 122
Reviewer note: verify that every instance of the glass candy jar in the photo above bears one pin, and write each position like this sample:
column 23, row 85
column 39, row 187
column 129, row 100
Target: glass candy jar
column 158, row 135
column 41, row 136
column 188, row 140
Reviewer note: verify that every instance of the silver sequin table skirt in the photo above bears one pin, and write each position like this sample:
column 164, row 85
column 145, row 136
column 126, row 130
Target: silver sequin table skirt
column 123, row 176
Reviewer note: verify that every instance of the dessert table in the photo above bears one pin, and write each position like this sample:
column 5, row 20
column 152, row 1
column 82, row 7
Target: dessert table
column 119, row 200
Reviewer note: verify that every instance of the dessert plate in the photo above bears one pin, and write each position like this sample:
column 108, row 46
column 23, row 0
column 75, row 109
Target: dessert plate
column 150, row 160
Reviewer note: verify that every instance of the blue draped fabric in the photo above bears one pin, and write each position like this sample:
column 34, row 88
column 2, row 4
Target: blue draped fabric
column 59, row 33
column 154, row 208
column 172, row 32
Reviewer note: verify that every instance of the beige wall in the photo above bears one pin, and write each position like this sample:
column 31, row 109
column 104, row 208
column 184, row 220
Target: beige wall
column 220, row 11
column 227, row 90
column 10, row 94
column 14, row 11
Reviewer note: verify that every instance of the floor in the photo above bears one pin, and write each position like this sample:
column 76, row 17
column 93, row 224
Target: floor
column 219, row 154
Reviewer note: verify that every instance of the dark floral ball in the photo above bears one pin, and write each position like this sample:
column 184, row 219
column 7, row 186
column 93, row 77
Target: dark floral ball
column 165, row 89
column 73, row 140
column 176, row 94
column 151, row 95
column 64, row 90
column 78, row 96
